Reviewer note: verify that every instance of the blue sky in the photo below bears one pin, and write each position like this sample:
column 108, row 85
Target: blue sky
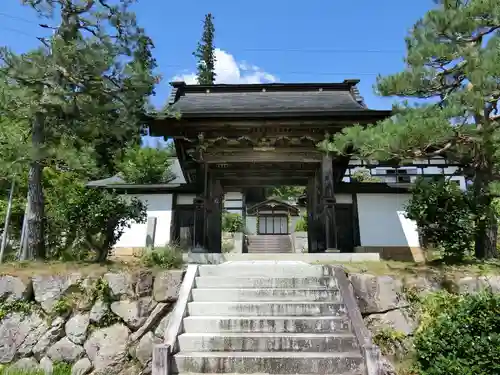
column 263, row 40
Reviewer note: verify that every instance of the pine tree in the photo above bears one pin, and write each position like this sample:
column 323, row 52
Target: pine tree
column 87, row 88
column 453, row 62
column 205, row 53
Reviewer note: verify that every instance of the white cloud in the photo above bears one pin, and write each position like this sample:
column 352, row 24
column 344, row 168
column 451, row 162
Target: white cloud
column 228, row 70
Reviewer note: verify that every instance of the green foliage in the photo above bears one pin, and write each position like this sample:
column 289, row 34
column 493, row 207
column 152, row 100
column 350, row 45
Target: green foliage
column 81, row 97
column 285, row 192
column 232, row 222
column 58, row 369
column 101, row 290
column 301, row 224
column 146, row 165
column 168, row 257
column 62, row 307
column 92, row 220
column 462, row 337
column 443, row 216
column 391, row 342
column 363, row 175
column 205, row 53
column 452, row 62
column 7, row 307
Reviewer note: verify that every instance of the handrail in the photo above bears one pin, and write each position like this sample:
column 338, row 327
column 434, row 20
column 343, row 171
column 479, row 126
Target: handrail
column 371, row 352
column 162, row 353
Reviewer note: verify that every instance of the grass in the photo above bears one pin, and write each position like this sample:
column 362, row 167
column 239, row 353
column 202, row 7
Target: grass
column 429, row 269
column 25, row 270
column 58, row 369
column 432, row 269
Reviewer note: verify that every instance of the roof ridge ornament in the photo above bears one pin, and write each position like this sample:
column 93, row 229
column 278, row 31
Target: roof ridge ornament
column 355, row 91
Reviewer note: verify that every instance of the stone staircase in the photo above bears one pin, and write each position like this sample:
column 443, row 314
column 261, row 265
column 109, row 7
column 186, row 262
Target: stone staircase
column 263, row 318
column 265, row 243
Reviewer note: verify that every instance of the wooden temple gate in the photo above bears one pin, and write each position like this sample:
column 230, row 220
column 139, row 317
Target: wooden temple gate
column 261, row 135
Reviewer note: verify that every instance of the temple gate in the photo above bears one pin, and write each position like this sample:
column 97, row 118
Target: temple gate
column 264, row 135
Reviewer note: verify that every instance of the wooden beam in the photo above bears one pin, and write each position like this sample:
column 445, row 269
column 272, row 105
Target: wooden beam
column 264, row 156
column 256, row 182
column 263, row 178
column 328, row 202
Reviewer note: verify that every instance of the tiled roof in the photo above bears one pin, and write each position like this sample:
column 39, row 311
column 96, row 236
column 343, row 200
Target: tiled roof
column 271, row 98
column 116, row 180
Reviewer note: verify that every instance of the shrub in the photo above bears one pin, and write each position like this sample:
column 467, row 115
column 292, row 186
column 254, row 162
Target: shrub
column 462, row 337
column 364, row 175
column 232, row 222
column 168, row 257
column 443, row 216
column 81, row 221
column 301, row 224
column 227, row 246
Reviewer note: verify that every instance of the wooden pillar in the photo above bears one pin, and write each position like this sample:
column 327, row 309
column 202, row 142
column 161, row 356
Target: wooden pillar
column 311, row 216
column 214, row 216
column 200, row 209
column 199, row 223
column 328, row 202
column 315, row 226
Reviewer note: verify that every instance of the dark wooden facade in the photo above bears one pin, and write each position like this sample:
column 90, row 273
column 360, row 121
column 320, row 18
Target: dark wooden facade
column 260, row 135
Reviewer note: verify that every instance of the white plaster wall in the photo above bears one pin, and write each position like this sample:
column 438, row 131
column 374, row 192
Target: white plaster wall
column 292, row 223
column 251, row 224
column 233, row 195
column 343, row 198
column 159, row 206
column 185, row 198
column 233, row 202
column 382, row 221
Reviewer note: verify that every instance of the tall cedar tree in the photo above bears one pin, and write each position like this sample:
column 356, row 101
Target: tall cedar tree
column 205, row 53
column 453, row 62
column 87, row 82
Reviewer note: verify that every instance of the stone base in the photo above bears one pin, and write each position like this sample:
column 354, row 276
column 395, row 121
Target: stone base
column 199, row 250
column 327, row 258
column 332, row 251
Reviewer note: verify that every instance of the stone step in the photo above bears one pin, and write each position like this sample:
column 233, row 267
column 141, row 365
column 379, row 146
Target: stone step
column 259, row 373
column 269, row 239
column 264, row 269
column 265, row 282
column 267, row 342
column 269, row 243
column 268, row 363
column 267, row 324
column 252, row 249
column 267, row 236
column 265, row 294
column 276, row 308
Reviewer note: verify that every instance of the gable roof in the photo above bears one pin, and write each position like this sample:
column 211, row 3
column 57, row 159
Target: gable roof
column 273, row 204
column 269, row 99
column 117, row 180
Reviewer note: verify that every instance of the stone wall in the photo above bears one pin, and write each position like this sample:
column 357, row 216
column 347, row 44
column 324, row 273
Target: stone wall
column 98, row 324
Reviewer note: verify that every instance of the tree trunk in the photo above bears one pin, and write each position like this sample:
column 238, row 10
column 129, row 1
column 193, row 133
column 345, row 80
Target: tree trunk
column 36, row 215
column 486, row 226
column 486, row 236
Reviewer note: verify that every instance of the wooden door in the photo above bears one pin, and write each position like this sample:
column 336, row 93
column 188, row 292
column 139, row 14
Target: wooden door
column 345, row 227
